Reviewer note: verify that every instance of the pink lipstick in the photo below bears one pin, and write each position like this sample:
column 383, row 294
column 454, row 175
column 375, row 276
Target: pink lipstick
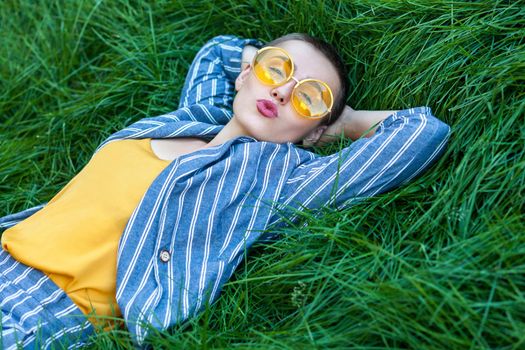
column 267, row 108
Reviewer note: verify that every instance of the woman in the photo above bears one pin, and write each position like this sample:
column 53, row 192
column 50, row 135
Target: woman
column 160, row 217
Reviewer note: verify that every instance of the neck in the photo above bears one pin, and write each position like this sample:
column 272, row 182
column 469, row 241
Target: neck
column 230, row 131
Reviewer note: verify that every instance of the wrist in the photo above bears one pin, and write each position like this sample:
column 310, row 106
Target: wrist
column 348, row 120
column 363, row 122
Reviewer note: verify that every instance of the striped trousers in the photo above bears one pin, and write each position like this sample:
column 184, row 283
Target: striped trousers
column 35, row 313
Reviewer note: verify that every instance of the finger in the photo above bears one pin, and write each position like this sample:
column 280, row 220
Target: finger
column 327, row 138
column 308, row 142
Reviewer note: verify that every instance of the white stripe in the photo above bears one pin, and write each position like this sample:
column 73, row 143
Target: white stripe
column 144, row 235
column 22, row 276
column 148, row 311
column 182, row 129
column 138, row 291
column 9, row 223
column 5, row 260
column 66, row 311
column 60, row 334
column 37, row 285
column 257, row 205
column 148, row 122
column 171, row 274
column 209, row 230
column 429, row 160
column 333, row 158
column 208, row 114
column 232, row 69
column 396, row 156
column 230, row 48
column 46, row 301
column 357, row 174
column 9, row 269
column 200, row 56
column 213, row 91
column 246, row 156
column 12, row 297
column 217, row 280
column 19, row 303
column 208, row 130
column 190, row 114
column 347, row 163
column 189, row 244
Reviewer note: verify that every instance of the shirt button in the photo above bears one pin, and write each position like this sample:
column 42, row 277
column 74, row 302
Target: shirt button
column 164, row 255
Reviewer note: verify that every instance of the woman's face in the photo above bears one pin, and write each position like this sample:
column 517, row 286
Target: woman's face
column 288, row 126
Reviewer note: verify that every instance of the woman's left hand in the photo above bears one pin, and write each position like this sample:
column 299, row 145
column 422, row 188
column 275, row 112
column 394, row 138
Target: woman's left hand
column 333, row 132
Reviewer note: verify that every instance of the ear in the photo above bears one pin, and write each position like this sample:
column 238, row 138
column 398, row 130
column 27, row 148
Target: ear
column 310, row 139
column 241, row 78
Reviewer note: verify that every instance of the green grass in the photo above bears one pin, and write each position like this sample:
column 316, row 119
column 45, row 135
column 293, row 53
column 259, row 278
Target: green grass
column 437, row 264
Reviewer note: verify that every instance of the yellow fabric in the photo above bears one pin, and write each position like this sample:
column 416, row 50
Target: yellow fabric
column 74, row 239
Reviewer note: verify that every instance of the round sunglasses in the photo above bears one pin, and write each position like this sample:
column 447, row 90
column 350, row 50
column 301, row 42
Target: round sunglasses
column 311, row 98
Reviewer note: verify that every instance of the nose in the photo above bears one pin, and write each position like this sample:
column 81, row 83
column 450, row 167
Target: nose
column 283, row 93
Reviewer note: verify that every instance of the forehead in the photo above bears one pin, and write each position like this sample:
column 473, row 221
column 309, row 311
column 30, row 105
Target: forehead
column 311, row 63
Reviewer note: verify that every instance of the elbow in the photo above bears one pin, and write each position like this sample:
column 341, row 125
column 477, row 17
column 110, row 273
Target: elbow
column 220, row 38
column 441, row 129
column 436, row 135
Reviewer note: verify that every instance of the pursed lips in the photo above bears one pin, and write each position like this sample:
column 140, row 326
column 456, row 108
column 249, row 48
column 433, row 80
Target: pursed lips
column 267, row 108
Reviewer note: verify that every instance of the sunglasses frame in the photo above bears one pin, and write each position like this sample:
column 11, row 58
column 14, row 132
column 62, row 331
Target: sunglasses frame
column 298, row 82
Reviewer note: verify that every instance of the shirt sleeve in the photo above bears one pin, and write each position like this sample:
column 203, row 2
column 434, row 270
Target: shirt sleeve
column 13, row 219
column 211, row 77
column 404, row 145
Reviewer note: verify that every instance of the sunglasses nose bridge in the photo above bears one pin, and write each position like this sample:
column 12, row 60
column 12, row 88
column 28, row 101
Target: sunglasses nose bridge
column 283, row 92
column 294, row 79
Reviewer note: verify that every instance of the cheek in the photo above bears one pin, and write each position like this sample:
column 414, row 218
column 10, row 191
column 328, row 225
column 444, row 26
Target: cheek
column 243, row 97
column 240, row 102
column 298, row 123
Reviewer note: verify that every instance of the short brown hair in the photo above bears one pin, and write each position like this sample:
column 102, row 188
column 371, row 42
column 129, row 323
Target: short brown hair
column 333, row 56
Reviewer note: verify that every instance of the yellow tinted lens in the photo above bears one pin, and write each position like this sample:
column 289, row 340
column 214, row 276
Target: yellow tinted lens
column 272, row 66
column 312, row 98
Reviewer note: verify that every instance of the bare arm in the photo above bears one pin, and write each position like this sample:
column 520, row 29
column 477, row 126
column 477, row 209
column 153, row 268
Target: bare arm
column 354, row 124
column 362, row 123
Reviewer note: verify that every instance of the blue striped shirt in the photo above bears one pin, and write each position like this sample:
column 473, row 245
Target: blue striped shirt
column 206, row 208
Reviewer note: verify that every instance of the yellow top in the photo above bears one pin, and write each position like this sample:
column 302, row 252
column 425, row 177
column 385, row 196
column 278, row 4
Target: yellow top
column 74, row 238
